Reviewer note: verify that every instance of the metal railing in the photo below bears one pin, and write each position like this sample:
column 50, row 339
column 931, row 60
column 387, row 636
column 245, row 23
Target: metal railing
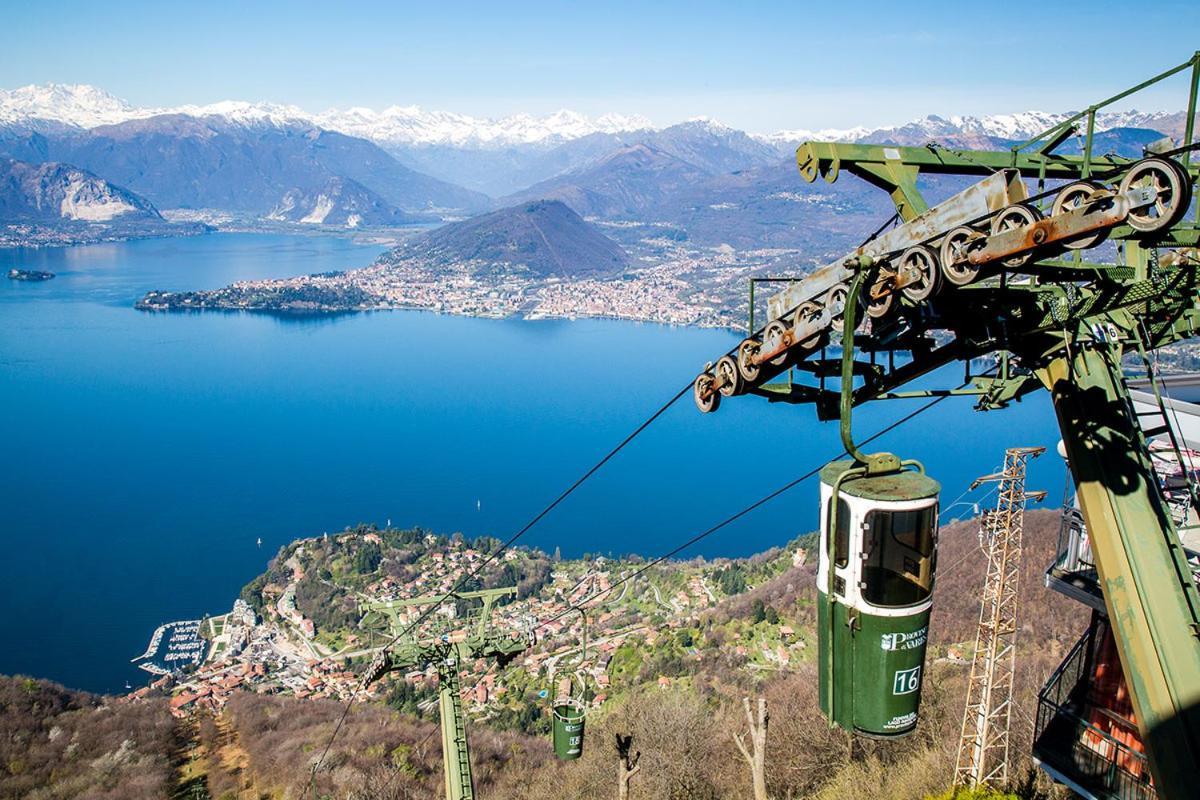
column 1074, row 562
column 1067, row 744
column 1074, row 547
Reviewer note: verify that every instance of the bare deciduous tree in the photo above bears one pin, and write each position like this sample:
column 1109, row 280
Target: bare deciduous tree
column 758, row 743
column 627, row 765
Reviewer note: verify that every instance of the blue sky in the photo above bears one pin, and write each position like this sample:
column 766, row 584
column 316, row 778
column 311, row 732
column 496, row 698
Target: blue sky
column 759, row 66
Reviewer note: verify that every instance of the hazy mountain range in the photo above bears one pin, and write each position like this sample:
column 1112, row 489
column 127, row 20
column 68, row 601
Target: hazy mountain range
column 697, row 180
column 85, row 106
column 56, row 203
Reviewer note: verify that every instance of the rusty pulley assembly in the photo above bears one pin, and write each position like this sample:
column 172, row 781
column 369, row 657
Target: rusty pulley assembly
column 1149, row 196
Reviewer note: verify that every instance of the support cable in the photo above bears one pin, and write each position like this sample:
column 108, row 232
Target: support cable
column 580, row 606
column 496, row 554
column 462, row 581
column 735, row 517
column 554, row 504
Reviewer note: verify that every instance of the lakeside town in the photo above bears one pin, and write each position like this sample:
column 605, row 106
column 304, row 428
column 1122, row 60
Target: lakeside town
column 273, row 644
column 667, row 282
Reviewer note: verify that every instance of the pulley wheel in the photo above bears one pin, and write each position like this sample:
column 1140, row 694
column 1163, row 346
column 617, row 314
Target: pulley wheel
column 882, row 295
column 835, row 301
column 773, row 339
column 955, row 266
column 1168, row 207
column 806, row 313
column 702, row 387
column 731, row 380
column 1072, row 197
column 1186, row 179
column 919, row 266
column 1015, row 216
column 747, row 350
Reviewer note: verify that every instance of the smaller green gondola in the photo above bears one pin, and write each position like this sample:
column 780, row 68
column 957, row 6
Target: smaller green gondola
column 569, row 720
column 571, row 704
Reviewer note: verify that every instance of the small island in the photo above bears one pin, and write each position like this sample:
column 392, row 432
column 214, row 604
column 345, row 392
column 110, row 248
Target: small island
column 29, row 275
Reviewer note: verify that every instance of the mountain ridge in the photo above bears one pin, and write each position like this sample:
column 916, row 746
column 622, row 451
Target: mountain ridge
column 57, row 204
column 54, row 191
column 86, row 106
column 544, row 236
column 181, row 161
column 627, row 182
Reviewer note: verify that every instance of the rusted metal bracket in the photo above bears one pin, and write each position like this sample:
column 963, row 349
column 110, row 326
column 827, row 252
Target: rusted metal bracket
column 832, row 367
column 1101, row 214
column 824, row 400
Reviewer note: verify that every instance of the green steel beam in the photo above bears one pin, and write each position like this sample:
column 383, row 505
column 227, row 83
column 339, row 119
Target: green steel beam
column 890, row 167
column 1066, row 323
column 1189, row 124
column 1148, row 589
column 456, row 754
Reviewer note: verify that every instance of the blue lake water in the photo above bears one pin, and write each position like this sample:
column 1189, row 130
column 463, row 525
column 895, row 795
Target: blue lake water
column 144, row 454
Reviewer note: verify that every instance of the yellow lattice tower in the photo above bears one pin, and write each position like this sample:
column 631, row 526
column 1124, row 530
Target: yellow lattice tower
column 983, row 746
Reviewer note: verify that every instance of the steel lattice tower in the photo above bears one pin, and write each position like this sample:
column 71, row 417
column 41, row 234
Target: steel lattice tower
column 983, row 745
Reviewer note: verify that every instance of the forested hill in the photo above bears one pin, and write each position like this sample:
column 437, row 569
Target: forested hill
column 543, row 236
column 672, row 658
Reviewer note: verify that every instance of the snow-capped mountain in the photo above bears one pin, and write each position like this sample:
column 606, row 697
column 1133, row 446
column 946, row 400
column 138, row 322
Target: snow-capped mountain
column 1009, row 127
column 412, row 125
column 85, row 106
column 397, row 126
column 179, row 161
column 791, row 137
column 78, row 105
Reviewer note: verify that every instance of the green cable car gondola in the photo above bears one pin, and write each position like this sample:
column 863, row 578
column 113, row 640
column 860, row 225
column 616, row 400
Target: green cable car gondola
column 569, row 719
column 570, row 705
column 875, row 582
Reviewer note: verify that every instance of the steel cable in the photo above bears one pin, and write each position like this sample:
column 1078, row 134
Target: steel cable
column 712, row 530
column 554, row 504
column 462, row 581
column 746, row 510
column 506, row 545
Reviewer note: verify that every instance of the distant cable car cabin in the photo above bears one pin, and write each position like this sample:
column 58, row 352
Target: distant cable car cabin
column 569, row 712
column 569, row 709
column 875, row 584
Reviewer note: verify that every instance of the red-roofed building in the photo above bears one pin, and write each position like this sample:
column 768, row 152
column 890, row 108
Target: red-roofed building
column 180, row 702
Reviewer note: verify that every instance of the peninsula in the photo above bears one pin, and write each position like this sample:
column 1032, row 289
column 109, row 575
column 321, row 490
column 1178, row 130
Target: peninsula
column 537, row 259
column 675, row 644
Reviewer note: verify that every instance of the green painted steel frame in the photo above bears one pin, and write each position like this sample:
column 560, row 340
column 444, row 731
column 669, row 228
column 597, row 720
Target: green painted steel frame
column 1151, row 599
column 447, row 656
column 1067, row 329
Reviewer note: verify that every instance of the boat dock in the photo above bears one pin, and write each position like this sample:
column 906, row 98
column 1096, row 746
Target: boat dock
column 174, row 647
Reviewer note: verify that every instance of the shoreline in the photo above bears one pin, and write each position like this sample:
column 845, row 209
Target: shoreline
column 527, row 316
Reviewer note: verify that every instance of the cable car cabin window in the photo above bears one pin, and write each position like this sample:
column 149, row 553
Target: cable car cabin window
column 841, row 539
column 898, row 556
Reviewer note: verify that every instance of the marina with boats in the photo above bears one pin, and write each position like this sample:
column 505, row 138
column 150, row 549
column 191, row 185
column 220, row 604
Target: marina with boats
column 174, row 647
